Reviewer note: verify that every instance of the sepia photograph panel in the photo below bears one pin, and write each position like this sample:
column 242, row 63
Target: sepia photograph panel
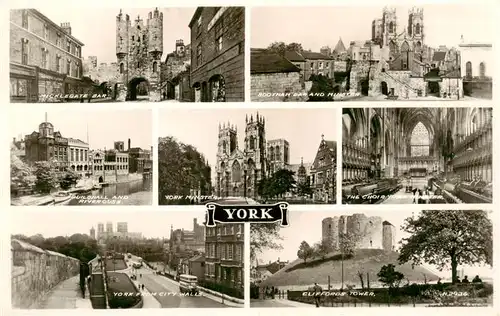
column 417, row 155
column 79, row 158
column 426, row 258
column 247, row 156
column 385, row 53
column 163, row 54
column 122, row 261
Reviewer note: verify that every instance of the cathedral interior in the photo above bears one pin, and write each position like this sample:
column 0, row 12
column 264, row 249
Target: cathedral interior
column 417, row 155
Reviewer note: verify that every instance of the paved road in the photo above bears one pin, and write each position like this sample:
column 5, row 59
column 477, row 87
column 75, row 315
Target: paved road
column 160, row 284
column 267, row 303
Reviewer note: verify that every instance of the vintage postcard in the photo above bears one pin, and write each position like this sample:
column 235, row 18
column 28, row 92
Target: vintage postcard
column 158, row 54
column 81, row 158
column 123, row 261
column 374, row 259
column 367, row 53
column 241, row 156
column 417, row 155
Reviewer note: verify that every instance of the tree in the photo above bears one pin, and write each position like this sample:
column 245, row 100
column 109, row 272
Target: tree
column 348, row 242
column 264, row 236
column 321, row 249
column 297, row 47
column 181, row 168
column 21, row 175
column 278, row 47
column 304, row 189
column 448, row 239
column 322, row 88
column 46, row 177
column 68, row 179
column 281, row 182
column 305, row 251
column 389, row 276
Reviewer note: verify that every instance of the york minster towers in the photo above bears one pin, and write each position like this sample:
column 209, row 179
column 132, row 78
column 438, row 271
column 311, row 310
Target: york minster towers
column 238, row 172
column 139, row 48
column 385, row 31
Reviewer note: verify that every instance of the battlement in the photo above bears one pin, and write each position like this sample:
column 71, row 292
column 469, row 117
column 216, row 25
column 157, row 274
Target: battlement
column 228, row 127
column 156, row 14
column 258, row 119
column 416, row 11
column 389, row 10
column 120, row 16
column 179, row 42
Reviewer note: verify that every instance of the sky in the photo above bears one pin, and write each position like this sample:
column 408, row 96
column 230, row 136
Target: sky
column 104, row 126
column 150, row 224
column 296, row 233
column 301, row 127
column 96, row 28
column 444, row 24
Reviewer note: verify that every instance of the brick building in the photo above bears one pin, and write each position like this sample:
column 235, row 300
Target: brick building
column 217, row 59
column 66, row 152
column 323, row 172
column 44, row 57
column 273, row 77
column 224, row 253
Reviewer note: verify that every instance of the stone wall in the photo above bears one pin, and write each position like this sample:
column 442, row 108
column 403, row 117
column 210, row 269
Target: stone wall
column 370, row 232
column 276, row 87
column 36, row 271
column 339, row 66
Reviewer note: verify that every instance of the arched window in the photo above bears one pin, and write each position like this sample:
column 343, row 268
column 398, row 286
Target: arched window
column 224, row 147
column 482, row 70
column 122, row 68
column 155, row 66
column 420, row 141
column 417, row 29
column 271, row 153
column 252, row 142
column 236, row 172
column 468, row 69
column 391, row 27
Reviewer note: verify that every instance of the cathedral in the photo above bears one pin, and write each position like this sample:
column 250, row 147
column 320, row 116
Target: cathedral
column 239, row 170
column 396, row 63
column 443, row 155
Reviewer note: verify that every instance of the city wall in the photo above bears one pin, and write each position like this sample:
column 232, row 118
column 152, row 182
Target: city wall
column 275, row 84
column 36, row 271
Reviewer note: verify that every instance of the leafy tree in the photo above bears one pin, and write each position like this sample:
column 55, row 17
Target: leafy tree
column 304, row 189
column 321, row 249
column 389, row 276
column 46, row 177
column 181, row 168
column 264, row 236
column 294, row 47
column 448, row 239
column 322, row 88
column 305, row 251
column 348, row 242
column 21, row 174
column 281, row 182
column 278, row 47
column 68, row 179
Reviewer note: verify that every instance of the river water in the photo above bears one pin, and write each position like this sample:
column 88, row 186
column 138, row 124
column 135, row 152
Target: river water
column 138, row 192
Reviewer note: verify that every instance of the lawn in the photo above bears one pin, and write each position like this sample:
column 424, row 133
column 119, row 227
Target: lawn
column 121, row 283
column 364, row 261
column 115, row 264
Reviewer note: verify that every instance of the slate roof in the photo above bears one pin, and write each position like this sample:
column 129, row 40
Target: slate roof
column 294, row 56
column 340, row 47
column 313, row 55
column 263, row 61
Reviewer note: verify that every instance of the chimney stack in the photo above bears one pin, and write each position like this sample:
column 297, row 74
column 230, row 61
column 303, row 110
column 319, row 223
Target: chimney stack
column 66, row 27
column 129, row 144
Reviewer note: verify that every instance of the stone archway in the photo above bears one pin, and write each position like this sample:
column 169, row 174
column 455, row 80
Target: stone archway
column 138, row 89
column 101, row 180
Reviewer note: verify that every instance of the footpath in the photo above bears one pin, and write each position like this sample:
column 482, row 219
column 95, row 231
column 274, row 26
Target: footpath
column 66, row 295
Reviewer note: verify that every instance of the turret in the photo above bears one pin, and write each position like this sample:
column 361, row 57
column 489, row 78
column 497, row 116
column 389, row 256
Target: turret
column 123, row 24
column 155, row 32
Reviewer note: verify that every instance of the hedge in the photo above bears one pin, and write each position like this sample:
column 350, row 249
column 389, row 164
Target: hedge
column 221, row 288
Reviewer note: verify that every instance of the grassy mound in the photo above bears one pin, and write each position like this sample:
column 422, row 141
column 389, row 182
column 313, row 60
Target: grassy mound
column 365, row 261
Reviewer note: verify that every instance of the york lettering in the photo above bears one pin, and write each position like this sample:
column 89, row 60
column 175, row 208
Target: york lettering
column 245, row 214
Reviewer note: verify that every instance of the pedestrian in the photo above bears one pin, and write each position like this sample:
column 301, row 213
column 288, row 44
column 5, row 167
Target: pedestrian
column 143, row 287
column 317, row 294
